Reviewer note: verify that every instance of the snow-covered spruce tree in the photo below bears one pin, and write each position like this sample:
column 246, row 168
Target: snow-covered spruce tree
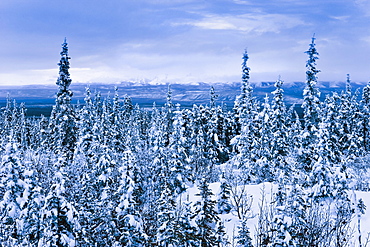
column 330, row 116
column 106, row 181
column 129, row 220
column 280, row 121
column 326, row 157
column 20, row 126
column 221, row 235
column 59, row 217
column 245, row 105
column 311, row 107
column 34, row 135
column 222, row 120
column 180, row 230
column 7, row 118
column 11, row 194
column 322, row 174
column 260, row 153
column 179, row 170
column 223, row 201
column 213, row 146
column 105, row 123
column 86, row 138
column 365, row 103
column 13, row 122
column 280, row 235
column 62, row 124
column 158, row 127
column 201, row 158
column 31, row 206
column 116, row 121
column 351, row 133
column 166, row 216
column 213, row 98
column 311, row 102
column 174, row 228
column 137, row 130
column 167, row 113
column 157, row 175
column 128, row 107
column 245, row 125
column 218, row 130
column 205, row 216
column 244, row 239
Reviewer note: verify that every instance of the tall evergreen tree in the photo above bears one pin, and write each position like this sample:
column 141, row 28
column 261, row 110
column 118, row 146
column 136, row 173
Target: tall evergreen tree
column 365, row 102
column 63, row 118
column 245, row 104
column 311, row 102
column 331, row 128
column 279, row 122
column 311, row 107
column 245, row 123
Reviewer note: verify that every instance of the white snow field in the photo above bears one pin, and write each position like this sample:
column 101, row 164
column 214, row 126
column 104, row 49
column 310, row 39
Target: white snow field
column 261, row 194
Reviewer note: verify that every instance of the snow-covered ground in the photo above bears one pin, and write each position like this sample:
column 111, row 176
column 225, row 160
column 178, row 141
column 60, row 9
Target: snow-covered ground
column 262, row 194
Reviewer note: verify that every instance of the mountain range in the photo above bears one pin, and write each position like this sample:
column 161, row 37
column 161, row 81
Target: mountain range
column 40, row 98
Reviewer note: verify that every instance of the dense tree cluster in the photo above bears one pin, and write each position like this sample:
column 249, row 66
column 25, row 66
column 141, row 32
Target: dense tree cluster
column 107, row 173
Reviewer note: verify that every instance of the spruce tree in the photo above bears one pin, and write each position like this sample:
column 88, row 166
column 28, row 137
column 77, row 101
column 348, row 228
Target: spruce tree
column 311, row 102
column 365, row 102
column 206, row 216
column 244, row 238
column 280, row 121
column 11, row 193
column 223, row 202
column 129, row 219
column 245, row 123
column 245, row 105
column 63, row 120
column 59, row 216
column 331, row 125
column 350, row 139
column 213, row 98
column 30, row 216
column 311, row 107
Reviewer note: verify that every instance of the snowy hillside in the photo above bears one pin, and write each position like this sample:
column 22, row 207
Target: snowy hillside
column 261, row 195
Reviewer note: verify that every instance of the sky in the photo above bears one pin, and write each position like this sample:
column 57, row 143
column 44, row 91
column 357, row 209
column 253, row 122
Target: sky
column 182, row 41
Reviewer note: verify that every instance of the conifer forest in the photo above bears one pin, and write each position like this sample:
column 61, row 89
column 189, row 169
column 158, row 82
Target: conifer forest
column 107, row 173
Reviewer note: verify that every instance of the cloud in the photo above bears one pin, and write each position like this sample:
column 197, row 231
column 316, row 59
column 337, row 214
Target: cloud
column 254, row 22
column 366, row 39
column 364, row 5
column 242, row 2
column 178, row 39
column 26, row 77
column 341, row 18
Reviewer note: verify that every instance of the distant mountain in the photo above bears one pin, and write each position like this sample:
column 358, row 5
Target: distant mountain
column 145, row 94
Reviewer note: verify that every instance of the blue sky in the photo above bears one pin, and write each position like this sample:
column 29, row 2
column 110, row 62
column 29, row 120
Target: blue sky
column 182, row 40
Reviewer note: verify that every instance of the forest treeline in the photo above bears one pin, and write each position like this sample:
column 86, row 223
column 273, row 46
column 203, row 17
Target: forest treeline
column 107, row 173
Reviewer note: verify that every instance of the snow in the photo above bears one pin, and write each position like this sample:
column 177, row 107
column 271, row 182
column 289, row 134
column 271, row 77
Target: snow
column 365, row 218
column 262, row 195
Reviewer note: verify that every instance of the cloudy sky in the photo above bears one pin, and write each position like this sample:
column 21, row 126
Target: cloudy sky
column 182, row 40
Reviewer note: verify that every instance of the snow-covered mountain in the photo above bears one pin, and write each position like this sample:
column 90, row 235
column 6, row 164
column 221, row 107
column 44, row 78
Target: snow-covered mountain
column 40, row 98
column 193, row 93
